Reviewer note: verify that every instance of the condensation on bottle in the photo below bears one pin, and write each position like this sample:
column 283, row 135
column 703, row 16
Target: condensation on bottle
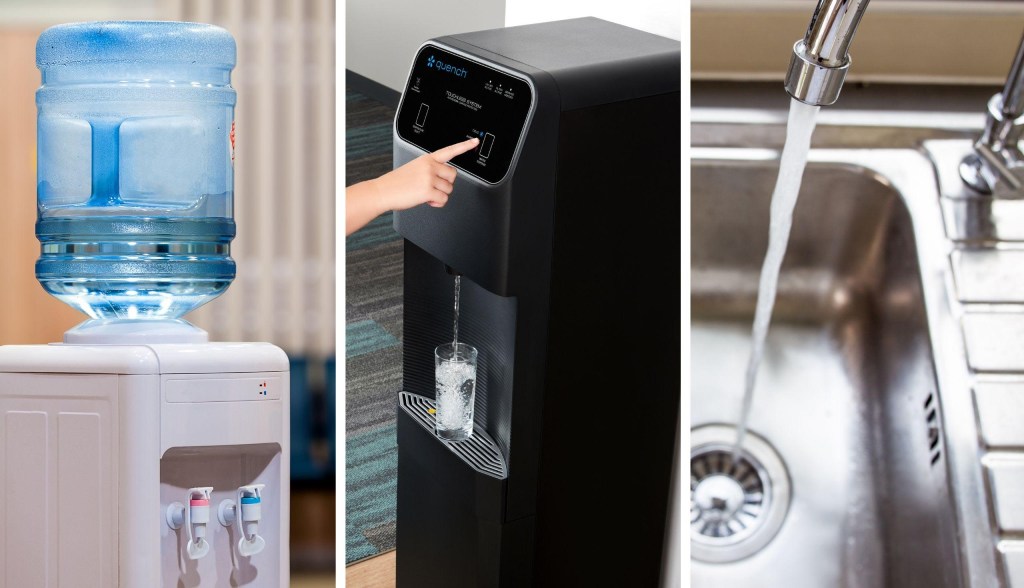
column 135, row 172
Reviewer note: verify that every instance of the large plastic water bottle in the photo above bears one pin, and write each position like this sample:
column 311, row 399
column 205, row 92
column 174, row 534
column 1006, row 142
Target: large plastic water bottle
column 135, row 179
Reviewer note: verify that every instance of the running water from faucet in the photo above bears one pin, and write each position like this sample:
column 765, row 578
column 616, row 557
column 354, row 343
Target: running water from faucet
column 791, row 170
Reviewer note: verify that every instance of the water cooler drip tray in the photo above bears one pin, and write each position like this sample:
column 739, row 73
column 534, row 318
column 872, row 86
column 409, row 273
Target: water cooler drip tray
column 480, row 452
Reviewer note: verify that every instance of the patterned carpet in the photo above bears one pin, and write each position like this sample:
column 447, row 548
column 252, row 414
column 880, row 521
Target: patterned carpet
column 373, row 334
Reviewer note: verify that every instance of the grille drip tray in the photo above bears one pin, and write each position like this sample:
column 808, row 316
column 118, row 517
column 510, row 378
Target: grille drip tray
column 480, row 452
column 736, row 506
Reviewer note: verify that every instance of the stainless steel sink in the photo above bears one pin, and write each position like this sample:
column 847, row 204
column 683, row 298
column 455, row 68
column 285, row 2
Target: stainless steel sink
column 865, row 393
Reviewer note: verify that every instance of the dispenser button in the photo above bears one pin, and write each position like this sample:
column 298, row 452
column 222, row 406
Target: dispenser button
column 485, row 146
column 421, row 116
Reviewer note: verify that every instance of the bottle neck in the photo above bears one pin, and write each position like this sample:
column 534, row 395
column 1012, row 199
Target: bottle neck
column 135, row 332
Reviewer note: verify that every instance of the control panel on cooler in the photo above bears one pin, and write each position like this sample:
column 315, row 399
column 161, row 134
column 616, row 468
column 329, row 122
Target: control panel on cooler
column 221, row 388
column 450, row 98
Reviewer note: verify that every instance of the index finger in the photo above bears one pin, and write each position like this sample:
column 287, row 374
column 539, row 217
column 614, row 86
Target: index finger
column 445, row 154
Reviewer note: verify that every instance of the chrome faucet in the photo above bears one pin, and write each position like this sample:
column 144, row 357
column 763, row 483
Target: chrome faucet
column 821, row 59
column 818, row 68
column 997, row 165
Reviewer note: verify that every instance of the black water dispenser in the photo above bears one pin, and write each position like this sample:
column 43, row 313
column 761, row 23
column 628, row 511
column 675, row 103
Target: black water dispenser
column 564, row 226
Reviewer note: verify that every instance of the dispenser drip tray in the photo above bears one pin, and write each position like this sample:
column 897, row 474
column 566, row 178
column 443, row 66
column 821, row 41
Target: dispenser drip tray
column 479, row 451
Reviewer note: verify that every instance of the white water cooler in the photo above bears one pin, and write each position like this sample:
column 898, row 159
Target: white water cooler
column 125, row 465
column 136, row 454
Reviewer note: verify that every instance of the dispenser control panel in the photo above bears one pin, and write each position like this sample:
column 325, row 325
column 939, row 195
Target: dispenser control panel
column 203, row 388
column 450, row 98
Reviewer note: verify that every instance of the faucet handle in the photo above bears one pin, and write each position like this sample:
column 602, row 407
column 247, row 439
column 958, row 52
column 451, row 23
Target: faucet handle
column 250, row 513
column 198, row 517
column 247, row 512
column 996, row 167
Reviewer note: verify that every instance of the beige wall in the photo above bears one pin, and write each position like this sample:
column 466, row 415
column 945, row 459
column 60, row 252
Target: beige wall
column 27, row 313
column 381, row 37
column 937, row 42
column 659, row 17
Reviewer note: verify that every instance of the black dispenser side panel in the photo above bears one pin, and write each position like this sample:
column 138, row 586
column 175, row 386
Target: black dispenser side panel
column 486, row 321
column 613, row 385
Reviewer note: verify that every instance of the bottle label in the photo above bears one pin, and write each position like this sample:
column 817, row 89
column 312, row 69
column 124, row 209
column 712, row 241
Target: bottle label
column 232, row 142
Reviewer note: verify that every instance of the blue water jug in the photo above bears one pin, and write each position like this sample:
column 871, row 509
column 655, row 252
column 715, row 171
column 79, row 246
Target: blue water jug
column 135, row 157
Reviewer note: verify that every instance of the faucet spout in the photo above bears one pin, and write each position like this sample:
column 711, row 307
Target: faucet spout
column 821, row 59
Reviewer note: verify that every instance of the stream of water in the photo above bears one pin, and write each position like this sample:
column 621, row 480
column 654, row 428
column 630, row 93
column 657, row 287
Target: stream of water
column 455, row 324
column 791, row 171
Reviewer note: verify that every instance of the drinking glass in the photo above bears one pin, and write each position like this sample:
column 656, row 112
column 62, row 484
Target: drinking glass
column 455, row 388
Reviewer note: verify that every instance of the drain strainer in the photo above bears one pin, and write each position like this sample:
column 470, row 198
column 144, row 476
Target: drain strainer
column 736, row 505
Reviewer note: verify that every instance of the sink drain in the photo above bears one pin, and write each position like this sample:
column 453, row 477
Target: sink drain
column 736, row 505
column 728, row 495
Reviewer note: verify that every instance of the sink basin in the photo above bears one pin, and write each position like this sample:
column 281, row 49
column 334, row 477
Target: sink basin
column 854, row 396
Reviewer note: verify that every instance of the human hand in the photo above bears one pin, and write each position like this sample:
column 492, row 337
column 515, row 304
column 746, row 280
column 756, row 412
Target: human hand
column 426, row 179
